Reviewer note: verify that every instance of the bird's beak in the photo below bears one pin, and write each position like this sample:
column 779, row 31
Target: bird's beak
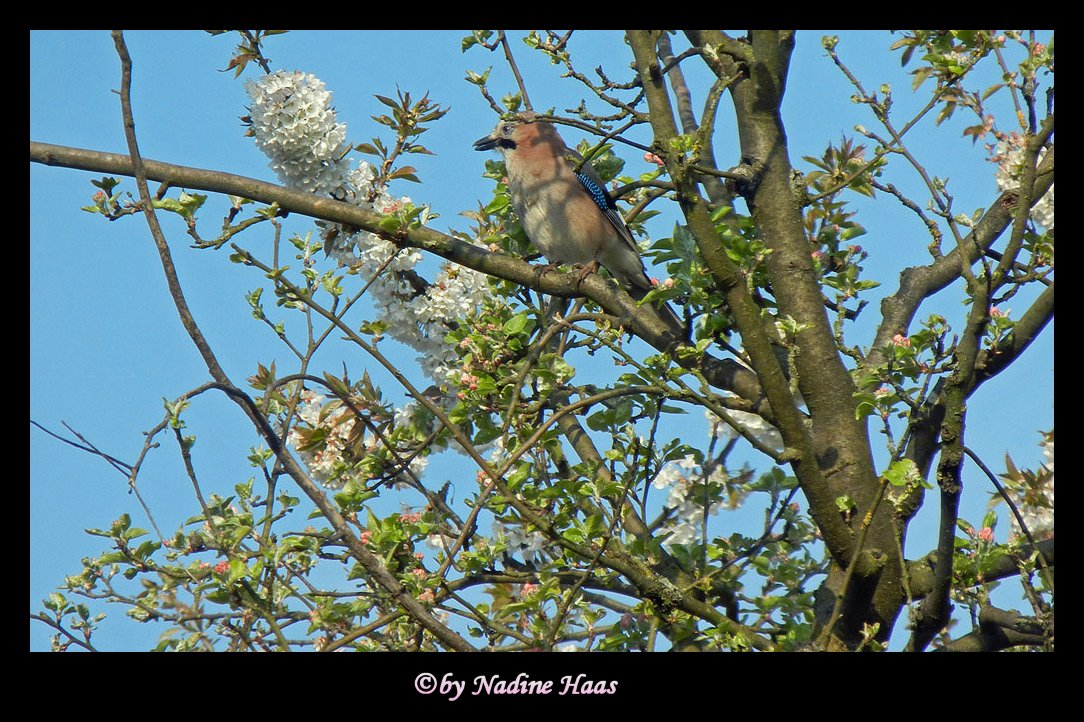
column 487, row 143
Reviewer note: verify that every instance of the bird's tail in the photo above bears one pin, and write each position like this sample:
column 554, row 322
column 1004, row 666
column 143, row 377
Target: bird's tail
column 677, row 327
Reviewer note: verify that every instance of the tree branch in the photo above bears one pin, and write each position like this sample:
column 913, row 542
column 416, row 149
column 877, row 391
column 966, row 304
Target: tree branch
column 920, row 282
column 920, row 571
column 747, row 314
column 1001, row 629
column 645, row 322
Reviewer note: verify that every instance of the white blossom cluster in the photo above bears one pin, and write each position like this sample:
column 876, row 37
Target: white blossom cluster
column 325, row 464
column 527, row 544
column 681, row 477
column 294, row 124
column 760, row 429
column 1040, row 519
column 329, row 463
column 1009, row 159
column 405, row 414
column 422, row 321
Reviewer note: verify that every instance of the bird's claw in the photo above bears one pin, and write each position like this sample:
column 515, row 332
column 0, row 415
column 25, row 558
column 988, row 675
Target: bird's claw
column 586, row 270
column 539, row 270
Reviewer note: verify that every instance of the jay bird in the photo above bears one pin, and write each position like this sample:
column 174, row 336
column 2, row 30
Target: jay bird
column 564, row 207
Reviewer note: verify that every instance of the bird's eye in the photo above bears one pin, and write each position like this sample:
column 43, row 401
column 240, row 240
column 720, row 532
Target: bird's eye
column 506, row 129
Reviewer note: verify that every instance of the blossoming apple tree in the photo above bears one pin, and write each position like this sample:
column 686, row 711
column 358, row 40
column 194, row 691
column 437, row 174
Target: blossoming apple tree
column 593, row 517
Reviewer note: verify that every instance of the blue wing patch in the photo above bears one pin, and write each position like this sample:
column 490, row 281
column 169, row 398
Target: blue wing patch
column 608, row 207
column 598, row 193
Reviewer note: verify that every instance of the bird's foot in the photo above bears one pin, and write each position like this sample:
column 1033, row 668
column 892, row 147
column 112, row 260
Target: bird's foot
column 539, row 270
column 586, row 270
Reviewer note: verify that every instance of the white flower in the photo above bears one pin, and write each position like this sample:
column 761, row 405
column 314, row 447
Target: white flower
column 439, row 541
column 361, row 180
column 417, row 465
column 678, row 493
column 687, row 513
column 681, row 532
column 1039, row 519
column 309, row 408
column 675, row 471
column 495, row 452
column 761, row 430
column 404, row 415
column 519, row 541
column 1010, row 158
column 294, row 125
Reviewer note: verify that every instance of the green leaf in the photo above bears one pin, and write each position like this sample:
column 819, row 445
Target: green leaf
column 55, row 602
column 901, row 472
column 168, row 204
column 476, row 79
column 517, row 324
column 920, row 76
column 337, row 386
column 389, row 224
column 387, row 101
column 191, row 202
column 487, row 431
column 107, row 184
column 574, row 535
column 852, row 231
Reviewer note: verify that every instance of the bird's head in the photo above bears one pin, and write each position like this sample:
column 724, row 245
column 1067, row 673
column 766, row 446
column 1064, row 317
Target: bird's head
column 512, row 132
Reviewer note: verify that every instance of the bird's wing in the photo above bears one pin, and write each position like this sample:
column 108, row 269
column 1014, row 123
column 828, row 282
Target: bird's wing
column 594, row 187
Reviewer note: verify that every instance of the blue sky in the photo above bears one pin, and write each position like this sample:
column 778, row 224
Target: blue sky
column 106, row 345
